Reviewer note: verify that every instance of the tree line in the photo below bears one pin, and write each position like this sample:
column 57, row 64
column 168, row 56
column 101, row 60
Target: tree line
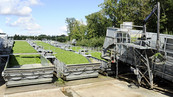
column 114, row 13
column 61, row 38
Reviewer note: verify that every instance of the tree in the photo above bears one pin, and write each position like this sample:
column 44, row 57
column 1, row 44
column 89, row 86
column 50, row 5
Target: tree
column 136, row 11
column 70, row 25
column 120, row 11
column 76, row 29
column 79, row 30
column 97, row 24
column 166, row 15
column 109, row 7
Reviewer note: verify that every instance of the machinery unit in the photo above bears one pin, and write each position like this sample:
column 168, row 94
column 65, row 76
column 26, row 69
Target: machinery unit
column 6, row 45
column 145, row 53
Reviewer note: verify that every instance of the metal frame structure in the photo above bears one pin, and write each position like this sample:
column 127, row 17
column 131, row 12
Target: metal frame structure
column 134, row 49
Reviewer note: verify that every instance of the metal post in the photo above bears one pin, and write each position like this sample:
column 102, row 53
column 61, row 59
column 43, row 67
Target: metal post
column 117, row 69
column 0, row 60
column 158, row 26
column 144, row 31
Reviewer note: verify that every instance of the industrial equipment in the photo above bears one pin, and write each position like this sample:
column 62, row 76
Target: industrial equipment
column 145, row 53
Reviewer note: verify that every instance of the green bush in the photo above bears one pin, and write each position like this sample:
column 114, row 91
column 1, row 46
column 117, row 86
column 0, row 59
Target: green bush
column 93, row 42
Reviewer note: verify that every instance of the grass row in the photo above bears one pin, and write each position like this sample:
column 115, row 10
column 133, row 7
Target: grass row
column 66, row 57
column 16, row 60
column 76, row 48
column 93, row 53
column 23, row 47
column 97, row 55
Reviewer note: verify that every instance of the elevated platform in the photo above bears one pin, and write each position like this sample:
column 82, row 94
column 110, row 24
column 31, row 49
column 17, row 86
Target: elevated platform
column 136, row 46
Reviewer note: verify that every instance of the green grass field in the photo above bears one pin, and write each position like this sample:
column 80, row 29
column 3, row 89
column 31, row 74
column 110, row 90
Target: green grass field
column 93, row 53
column 97, row 55
column 24, row 59
column 23, row 47
column 76, row 48
column 66, row 57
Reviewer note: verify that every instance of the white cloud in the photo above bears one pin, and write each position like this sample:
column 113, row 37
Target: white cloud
column 7, row 20
column 33, row 33
column 1, row 31
column 62, row 30
column 34, row 2
column 22, row 9
column 25, row 10
column 27, row 23
column 17, row 7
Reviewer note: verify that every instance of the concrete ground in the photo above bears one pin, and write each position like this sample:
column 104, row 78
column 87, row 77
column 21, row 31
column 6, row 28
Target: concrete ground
column 113, row 88
column 56, row 92
column 93, row 87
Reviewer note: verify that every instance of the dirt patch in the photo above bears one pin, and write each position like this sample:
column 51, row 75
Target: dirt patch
column 67, row 93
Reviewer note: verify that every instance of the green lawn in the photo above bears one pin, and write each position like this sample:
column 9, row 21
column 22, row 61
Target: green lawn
column 76, row 48
column 23, row 47
column 97, row 55
column 24, row 59
column 93, row 53
column 66, row 57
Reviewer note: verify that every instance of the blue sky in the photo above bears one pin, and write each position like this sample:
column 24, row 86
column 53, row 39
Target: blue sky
column 34, row 17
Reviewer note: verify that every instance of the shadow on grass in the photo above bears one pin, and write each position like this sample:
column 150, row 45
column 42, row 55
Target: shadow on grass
column 2, row 66
column 13, row 61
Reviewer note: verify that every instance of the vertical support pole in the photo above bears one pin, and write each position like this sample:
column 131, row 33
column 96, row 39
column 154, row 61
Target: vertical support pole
column 117, row 68
column 0, row 60
column 158, row 26
column 150, row 74
column 144, row 31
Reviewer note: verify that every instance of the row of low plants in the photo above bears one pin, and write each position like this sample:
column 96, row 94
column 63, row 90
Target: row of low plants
column 93, row 53
column 23, row 47
column 76, row 49
column 66, row 57
column 18, row 60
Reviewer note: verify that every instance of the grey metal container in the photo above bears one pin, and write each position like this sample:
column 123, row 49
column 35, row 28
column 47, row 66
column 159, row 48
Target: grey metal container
column 76, row 71
column 28, row 74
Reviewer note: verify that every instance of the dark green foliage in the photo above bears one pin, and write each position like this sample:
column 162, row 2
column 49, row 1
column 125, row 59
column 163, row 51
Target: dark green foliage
column 93, row 42
column 97, row 24
column 76, row 29
column 136, row 11
column 61, row 38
